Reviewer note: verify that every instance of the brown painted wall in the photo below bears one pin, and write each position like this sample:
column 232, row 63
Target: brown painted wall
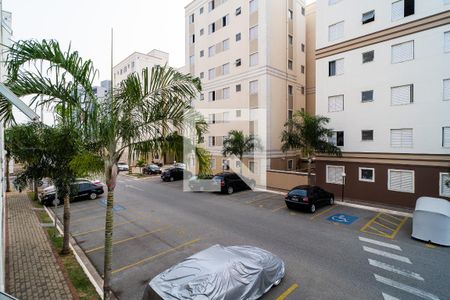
column 285, row 180
column 426, row 183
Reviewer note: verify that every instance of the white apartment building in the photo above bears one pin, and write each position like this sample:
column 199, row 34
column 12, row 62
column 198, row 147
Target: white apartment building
column 383, row 79
column 250, row 56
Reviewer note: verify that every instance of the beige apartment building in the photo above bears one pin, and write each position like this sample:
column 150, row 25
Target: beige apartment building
column 250, row 56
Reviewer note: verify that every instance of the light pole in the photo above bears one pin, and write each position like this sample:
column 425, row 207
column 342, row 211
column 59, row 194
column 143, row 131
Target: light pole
column 343, row 186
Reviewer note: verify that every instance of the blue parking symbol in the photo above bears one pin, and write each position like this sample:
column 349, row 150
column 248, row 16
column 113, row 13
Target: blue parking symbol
column 116, row 207
column 342, row 218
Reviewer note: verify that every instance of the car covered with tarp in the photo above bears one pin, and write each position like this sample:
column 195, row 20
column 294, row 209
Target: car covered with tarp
column 219, row 273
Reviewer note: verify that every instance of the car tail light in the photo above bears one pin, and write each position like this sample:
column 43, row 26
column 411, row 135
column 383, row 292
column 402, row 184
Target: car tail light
column 306, row 200
column 222, row 183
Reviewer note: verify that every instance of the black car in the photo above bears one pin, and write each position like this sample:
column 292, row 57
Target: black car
column 83, row 189
column 173, row 174
column 232, row 182
column 151, row 169
column 310, row 197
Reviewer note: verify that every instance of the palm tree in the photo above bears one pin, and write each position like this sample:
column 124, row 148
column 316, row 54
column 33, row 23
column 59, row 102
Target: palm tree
column 308, row 134
column 238, row 144
column 67, row 83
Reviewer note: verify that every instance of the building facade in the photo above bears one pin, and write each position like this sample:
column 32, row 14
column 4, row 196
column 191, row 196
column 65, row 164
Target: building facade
column 383, row 79
column 250, row 56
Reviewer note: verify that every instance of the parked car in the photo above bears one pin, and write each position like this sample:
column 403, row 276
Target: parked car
column 81, row 189
column 202, row 183
column 121, row 166
column 173, row 174
column 228, row 182
column 151, row 169
column 180, row 165
column 236, row 272
column 310, row 197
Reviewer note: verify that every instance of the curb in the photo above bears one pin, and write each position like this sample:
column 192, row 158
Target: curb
column 80, row 256
column 360, row 206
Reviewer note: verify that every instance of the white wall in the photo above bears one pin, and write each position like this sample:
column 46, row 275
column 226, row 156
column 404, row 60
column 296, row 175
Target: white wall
column 427, row 115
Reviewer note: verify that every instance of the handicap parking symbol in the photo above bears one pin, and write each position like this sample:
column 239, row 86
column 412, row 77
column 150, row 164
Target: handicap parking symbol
column 116, row 207
column 342, row 218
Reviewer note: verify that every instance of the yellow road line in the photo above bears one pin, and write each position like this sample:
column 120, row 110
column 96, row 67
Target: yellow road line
column 130, row 238
column 323, row 212
column 256, row 200
column 387, row 227
column 394, row 217
column 103, row 228
column 84, row 209
column 381, row 233
column 155, row 256
column 277, row 209
column 431, row 246
column 386, row 220
column 369, row 223
column 399, row 226
column 288, row 292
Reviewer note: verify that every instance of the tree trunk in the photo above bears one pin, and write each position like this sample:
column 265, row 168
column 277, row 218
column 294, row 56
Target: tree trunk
column 130, row 169
column 35, row 190
column 8, row 184
column 309, row 171
column 111, row 184
column 241, row 162
column 66, row 219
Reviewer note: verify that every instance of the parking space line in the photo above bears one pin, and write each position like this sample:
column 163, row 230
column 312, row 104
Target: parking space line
column 399, row 227
column 262, row 199
column 84, row 209
column 323, row 212
column 406, row 288
column 387, row 254
column 279, row 208
column 103, row 228
column 393, row 269
column 375, row 242
column 389, row 229
column 382, row 225
column 147, row 259
column 288, row 292
column 386, row 220
column 130, row 238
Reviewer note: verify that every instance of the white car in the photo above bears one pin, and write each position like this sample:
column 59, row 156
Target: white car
column 121, row 166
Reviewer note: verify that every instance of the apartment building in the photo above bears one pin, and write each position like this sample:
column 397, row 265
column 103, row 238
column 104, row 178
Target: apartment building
column 383, row 79
column 250, row 56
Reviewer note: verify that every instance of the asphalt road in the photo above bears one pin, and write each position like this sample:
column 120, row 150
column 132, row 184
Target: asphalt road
column 158, row 225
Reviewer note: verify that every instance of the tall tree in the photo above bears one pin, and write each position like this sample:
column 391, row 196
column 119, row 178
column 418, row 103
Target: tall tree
column 238, row 144
column 308, row 134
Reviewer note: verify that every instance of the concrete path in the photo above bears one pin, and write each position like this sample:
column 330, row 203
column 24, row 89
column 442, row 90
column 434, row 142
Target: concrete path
column 33, row 271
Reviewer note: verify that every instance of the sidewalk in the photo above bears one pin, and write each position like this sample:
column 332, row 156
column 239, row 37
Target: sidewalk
column 33, row 271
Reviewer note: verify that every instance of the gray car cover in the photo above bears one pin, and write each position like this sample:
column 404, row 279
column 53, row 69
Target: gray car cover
column 219, row 273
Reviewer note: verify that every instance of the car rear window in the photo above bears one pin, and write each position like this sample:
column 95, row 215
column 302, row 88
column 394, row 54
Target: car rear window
column 298, row 193
column 218, row 178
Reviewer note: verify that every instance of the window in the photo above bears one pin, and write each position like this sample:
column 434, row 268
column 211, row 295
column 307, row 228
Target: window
column 238, row 11
column 211, row 74
column 226, row 93
column 446, row 137
column 253, row 87
column 238, row 88
column 401, row 9
column 290, row 14
column 202, row 75
column 290, row 164
column 212, row 28
column 446, row 89
column 238, row 62
column 447, row 41
column 367, row 96
column 337, row 138
column 226, row 44
column 252, row 166
column 290, row 114
column 253, row 6
column 226, row 117
column 201, row 10
column 303, row 47
column 225, row 20
column 253, row 33
column 238, row 164
column 191, row 59
column 367, row 174
column 191, row 18
column 290, row 39
column 401, row 181
column 402, row 138
column 367, row 135
column 202, row 31
column 211, row 5
column 368, row 17
column 253, row 59
column 211, row 51
column 336, row 31
column 202, row 53
column 238, row 37
column 226, row 69
column 302, row 89
column 336, row 67
column 212, row 119
column 303, row 10
column 444, row 185
column 302, row 68
column 368, row 56
column 202, row 97
column 336, row 103
column 334, row 174
column 238, row 113
column 290, row 64
column 212, row 163
column 402, row 95
column 402, row 52
column 212, row 96
column 290, row 90
column 193, row 39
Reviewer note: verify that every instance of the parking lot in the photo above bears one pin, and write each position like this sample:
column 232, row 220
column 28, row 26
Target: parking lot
column 329, row 254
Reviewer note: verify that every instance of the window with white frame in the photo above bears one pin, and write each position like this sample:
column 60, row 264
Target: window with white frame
column 238, row 164
column 334, row 174
column 336, row 67
column 368, row 17
column 253, row 87
column 402, row 138
column 226, row 69
column 252, row 166
column 290, row 164
column 401, row 9
column 253, row 33
column 447, row 41
column 367, row 96
column 212, row 96
column 402, row 52
column 367, row 174
column 336, row 31
column 225, row 20
column 211, row 51
column 226, row 44
column 446, row 137
column 253, row 59
column 401, row 95
column 444, row 184
column 401, row 181
column 226, row 117
column 290, row 14
column 368, row 56
column 211, row 28
column 290, row 64
column 336, row 103
column 226, row 93
column 211, row 141
column 253, row 6
column 192, row 18
column 192, row 60
column 337, row 138
column 211, row 74
column 366, row 135
column 211, row 5
column 446, row 89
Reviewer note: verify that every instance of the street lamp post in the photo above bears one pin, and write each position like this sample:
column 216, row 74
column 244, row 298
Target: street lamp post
column 343, row 186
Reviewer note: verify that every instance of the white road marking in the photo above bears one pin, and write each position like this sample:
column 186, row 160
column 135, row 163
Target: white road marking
column 393, row 269
column 133, row 187
column 387, row 245
column 389, row 297
column 406, row 288
column 387, row 254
